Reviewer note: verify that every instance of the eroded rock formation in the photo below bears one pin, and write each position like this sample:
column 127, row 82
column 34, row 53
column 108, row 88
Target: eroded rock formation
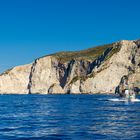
column 96, row 70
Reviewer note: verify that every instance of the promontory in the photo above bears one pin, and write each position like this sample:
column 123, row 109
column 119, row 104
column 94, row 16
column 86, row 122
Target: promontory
column 101, row 69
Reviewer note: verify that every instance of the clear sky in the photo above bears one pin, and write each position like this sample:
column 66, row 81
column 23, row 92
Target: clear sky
column 33, row 28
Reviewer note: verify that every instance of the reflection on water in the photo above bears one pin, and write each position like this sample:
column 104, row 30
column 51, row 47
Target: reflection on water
column 67, row 117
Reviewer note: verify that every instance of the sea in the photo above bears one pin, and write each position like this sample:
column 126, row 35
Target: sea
column 68, row 117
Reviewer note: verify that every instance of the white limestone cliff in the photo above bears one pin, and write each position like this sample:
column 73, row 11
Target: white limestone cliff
column 118, row 65
column 50, row 74
column 15, row 81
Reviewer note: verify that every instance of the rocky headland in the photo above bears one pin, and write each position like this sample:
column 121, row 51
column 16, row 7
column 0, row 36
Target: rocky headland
column 101, row 69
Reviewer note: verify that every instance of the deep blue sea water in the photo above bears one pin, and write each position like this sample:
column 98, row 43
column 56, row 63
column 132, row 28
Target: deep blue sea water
column 67, row 117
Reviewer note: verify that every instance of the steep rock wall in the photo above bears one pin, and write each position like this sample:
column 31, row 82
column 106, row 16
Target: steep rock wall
column 103, row 74
column 15, row 80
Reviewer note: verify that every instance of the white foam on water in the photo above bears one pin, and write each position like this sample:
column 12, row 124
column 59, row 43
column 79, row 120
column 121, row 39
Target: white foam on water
column 117, row 100
column 135, row 100
column 124, row 100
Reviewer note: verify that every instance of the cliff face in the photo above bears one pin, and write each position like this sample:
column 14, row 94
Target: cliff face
column 15, row 80
column 119, row 65
column 96, row 70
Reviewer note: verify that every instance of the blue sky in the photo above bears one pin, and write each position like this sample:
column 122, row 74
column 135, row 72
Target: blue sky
column 33, row 28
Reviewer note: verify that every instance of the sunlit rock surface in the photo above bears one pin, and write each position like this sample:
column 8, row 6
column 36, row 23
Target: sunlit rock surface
column 95, row 70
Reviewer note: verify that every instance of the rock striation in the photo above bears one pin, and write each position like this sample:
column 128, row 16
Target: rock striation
column 102, row 69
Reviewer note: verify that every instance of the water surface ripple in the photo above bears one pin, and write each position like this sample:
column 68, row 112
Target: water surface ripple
column 67, row 117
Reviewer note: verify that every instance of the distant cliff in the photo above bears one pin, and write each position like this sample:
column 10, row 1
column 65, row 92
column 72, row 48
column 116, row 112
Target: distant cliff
column 95, row 70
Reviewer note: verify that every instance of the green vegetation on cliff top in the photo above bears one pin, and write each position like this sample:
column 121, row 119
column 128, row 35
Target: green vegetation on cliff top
column 88, row 54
